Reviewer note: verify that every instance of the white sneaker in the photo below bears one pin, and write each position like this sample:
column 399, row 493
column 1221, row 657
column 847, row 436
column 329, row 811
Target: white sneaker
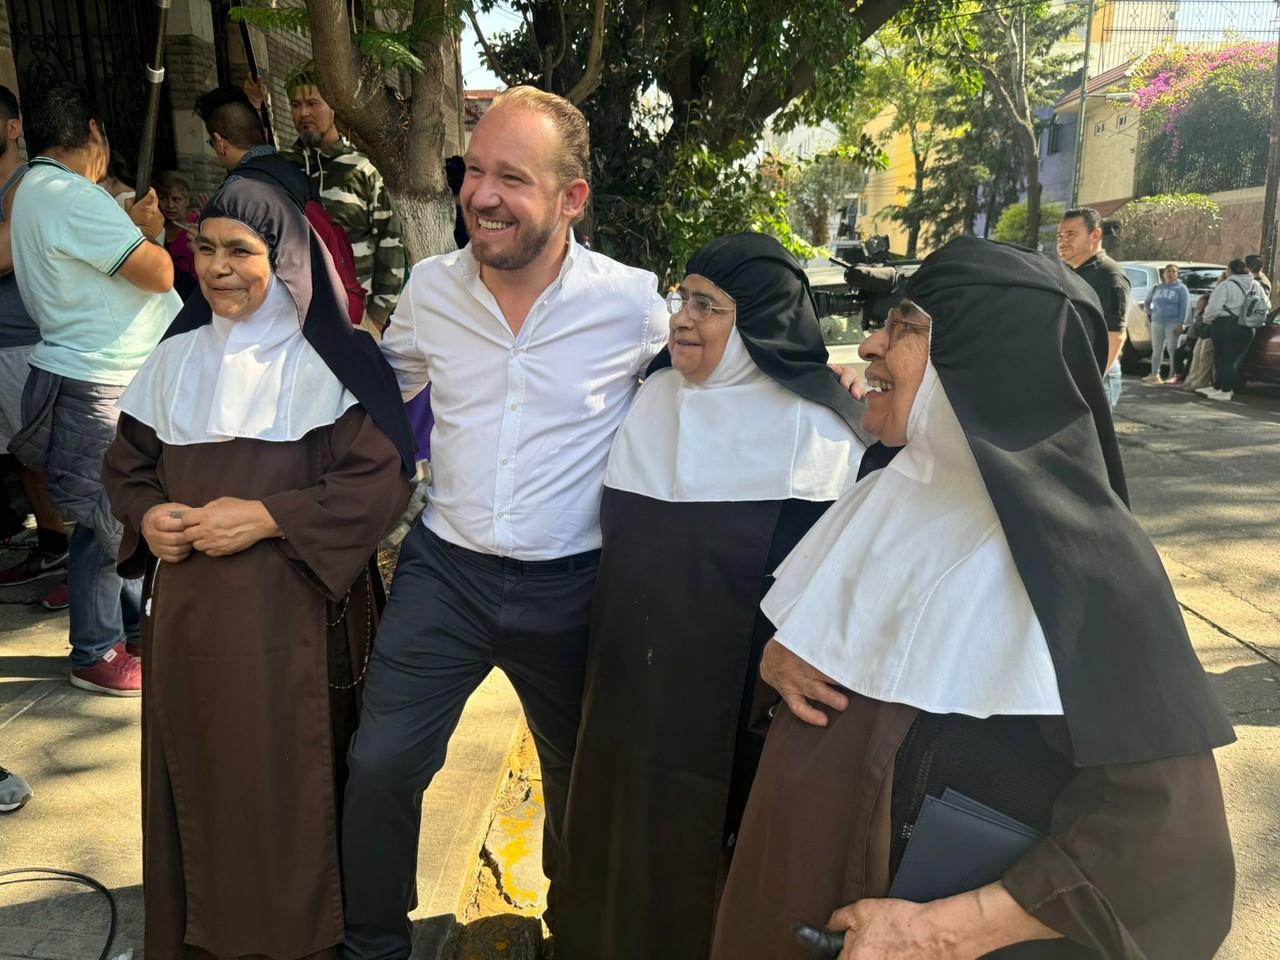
column 1216, row 394
column 1204, row 391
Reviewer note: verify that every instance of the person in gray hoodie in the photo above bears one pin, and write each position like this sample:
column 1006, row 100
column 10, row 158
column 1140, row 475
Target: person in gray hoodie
column 1167, row 307
column 1231, row 338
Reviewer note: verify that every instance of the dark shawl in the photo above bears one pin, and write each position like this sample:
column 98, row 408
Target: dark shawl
column 301, row 263
column 776, row 317
column 1018, row 342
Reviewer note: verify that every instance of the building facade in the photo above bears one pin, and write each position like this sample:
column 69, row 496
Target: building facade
column 105, row 45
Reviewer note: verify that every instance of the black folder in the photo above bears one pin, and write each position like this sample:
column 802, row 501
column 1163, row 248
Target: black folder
column 958, row 845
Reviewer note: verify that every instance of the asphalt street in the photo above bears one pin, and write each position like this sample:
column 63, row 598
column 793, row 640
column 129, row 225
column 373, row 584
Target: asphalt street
column 1204, row 480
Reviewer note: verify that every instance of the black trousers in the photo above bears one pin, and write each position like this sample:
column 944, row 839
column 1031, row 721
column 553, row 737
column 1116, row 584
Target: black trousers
column 453, row 616
column 1231, row 342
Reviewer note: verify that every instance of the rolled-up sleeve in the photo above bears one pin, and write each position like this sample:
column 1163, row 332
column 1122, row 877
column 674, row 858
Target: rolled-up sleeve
column 1138, row 863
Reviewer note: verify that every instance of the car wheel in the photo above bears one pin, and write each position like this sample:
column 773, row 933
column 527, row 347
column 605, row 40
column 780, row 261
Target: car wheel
column 1130, row 358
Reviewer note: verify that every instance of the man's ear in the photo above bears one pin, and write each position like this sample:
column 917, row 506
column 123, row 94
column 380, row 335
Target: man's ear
column 575, row 199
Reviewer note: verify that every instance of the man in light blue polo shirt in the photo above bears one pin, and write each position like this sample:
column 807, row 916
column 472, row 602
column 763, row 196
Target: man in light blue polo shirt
column 102, row 296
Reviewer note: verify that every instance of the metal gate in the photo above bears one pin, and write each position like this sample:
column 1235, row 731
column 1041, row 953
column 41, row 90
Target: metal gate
column 103, row 45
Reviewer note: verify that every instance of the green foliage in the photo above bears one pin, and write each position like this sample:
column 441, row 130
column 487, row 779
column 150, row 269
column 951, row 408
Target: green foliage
column 385, row 33
column 279, row 19
column 1204, row 118
column 1012, row 227
column 817, row 187
column 677, row 203
column 1165, row 226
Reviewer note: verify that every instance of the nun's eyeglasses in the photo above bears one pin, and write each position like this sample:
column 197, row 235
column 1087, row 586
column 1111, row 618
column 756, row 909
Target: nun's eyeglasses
column 699, row 307
column 905, row 315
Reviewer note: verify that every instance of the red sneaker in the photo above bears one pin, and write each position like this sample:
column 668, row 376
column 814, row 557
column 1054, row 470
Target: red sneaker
column 59, row 598
column 117, row 674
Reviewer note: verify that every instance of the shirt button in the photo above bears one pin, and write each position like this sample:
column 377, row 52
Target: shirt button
column 515, row 406
column 504, row 461
column 502, row 516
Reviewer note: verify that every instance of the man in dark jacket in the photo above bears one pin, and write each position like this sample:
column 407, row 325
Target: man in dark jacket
column 1080, row 247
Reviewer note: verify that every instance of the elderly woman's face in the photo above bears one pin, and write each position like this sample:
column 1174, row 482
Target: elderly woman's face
column 899, row 354
column 232, row 266
column 700, row 329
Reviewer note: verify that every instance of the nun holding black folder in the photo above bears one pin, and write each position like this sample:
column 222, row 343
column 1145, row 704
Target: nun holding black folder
column 957, row 629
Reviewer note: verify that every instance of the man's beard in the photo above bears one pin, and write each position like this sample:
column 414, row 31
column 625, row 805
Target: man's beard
column 528, row 247
column 311, row 138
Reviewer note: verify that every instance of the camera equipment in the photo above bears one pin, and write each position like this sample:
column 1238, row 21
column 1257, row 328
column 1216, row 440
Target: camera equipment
column 875, row 282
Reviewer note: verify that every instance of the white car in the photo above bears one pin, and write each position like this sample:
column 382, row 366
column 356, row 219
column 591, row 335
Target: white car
column 1143, row 276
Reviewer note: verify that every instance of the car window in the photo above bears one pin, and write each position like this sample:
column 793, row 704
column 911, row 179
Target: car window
column 1200, row 281
column 1136, row 277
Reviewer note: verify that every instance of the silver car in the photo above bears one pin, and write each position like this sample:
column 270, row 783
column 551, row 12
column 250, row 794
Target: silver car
column 1143, row 276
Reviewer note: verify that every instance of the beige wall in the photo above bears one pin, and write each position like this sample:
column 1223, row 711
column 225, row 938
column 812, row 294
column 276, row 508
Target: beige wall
column 1106, row 172
column 886, row 188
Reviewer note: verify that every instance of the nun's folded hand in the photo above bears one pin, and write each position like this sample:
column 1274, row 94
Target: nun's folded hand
column 799, row 684
column 228, row 525
column 163, row 530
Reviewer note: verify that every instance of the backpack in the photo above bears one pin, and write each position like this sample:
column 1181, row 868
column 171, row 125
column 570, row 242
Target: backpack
column 335, row 241
column 1254, row 310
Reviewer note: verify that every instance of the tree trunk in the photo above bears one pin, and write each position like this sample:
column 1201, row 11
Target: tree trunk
column 426, row 220
column 1033, row 189
column 404, row 140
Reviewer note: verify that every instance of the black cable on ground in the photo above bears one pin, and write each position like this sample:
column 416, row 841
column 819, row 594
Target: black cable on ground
column 68, row 876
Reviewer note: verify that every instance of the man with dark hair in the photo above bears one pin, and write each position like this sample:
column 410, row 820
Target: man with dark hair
column 236, row 136
column 102, row 296
column 1080, row 247
column 18, row 337
column 351, row 189
column 1254, row 263
column 1231, row 337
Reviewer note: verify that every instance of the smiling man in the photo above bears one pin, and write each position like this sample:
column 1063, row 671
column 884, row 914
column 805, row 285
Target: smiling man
column 533, row 347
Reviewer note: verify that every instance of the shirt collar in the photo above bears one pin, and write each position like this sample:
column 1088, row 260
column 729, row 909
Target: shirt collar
column 261, row 150
column 42, row 159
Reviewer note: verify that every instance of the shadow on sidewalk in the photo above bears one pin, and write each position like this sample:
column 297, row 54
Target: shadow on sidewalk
column 54, row 919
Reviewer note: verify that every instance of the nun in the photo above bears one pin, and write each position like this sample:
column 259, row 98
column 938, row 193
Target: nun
column 970, row 604
column 739, row 439
column 261, row 455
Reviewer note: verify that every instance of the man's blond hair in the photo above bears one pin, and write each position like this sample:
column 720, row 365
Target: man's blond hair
column 575, row 141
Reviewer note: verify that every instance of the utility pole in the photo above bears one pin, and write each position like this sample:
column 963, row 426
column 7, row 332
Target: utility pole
column 1084, row 100
column 1268, row 245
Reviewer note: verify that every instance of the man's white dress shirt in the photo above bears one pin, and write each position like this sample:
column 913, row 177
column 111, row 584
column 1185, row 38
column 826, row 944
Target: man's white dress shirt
column 523, row 424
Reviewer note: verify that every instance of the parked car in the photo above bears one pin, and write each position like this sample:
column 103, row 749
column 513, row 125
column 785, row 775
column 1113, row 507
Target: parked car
column 1262, row 363
column 1143, row 276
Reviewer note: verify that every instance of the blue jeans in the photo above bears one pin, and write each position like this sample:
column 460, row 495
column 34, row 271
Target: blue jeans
column 105, row 608
column 1164, row 334
column 1111, row 384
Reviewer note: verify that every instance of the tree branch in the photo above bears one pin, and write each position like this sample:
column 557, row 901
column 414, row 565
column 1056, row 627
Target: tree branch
column 594, row 70
column 489, row 55
column 360, row 104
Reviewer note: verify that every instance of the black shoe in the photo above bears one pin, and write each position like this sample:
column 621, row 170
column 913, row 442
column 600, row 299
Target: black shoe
column 37, row 566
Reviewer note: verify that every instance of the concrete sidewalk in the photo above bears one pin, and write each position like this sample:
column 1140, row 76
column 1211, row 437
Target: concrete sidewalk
column 81, row 754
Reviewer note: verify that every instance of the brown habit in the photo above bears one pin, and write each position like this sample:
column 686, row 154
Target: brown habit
column 243, row 737
column 1136, row 864
column 665, row 752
